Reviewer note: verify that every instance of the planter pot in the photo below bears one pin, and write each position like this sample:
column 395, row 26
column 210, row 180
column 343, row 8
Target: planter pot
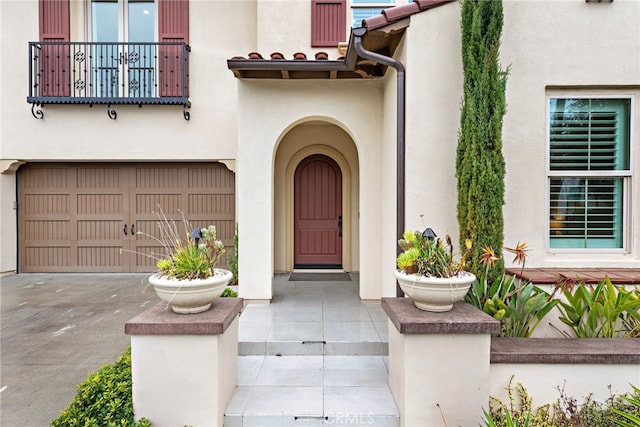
column 435, row 293
column 191, row 296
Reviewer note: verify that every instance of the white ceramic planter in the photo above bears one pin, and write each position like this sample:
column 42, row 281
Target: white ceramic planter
column 435, row 293
column 191, row 296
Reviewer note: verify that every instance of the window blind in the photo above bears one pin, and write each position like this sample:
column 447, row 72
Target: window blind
column 587, row 138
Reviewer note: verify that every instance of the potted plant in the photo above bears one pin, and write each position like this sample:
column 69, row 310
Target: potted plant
column 187, row 278
column 429, row 273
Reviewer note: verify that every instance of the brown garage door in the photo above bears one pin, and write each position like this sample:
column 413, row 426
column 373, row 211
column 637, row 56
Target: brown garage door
column 85, row 217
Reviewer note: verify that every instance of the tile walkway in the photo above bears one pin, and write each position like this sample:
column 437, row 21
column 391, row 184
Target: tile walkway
column 317, row 355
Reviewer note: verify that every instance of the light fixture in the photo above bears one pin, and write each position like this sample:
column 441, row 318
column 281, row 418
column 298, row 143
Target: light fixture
column 599, row 1
column 196, row 235
column 429, row 233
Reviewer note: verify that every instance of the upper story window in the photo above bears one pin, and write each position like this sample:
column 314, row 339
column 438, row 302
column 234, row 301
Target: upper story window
column 123, row 20
column 589, row 172
column 363, row 9
column 126, row 69
column 138, row 53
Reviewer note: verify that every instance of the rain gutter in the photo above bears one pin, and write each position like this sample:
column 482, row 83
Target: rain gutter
column 400, row 127
column 346, row 64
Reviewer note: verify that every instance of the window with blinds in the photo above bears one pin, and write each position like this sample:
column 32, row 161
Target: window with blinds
column 588, row 171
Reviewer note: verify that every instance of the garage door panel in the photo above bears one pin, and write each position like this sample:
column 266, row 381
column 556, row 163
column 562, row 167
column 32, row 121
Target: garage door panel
column 157, row 177
column 207, row 204
column 48, row 178
column 207, row 196
column 147, row 256
column 46, row 230
column 148, row 204
column 73, row 216
column 104, row 257
column 44, row 259
column 99, row 231
column 218, row 178
column 46, row 205
column 97, row 177
column 100, row 204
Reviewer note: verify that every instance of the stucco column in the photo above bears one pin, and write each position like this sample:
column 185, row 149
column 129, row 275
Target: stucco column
column 254, row 183
column 184, row 366
column 439, row 363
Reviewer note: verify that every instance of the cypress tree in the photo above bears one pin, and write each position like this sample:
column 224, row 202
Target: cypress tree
column 480, row 166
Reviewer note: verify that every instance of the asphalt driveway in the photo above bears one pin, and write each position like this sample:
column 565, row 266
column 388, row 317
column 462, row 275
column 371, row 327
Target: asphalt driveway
column 55, row 330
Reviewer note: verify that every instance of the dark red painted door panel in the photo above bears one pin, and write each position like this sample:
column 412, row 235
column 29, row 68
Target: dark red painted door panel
column 318, row 213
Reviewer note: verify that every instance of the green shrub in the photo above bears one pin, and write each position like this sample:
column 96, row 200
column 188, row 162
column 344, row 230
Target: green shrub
column 518, row 411
column 519, row 306
column 480, row 165
column 232, row 259
column 603, row 311
column 630, row 416
column 228, row 293
column 104, row 399
column 564, row 412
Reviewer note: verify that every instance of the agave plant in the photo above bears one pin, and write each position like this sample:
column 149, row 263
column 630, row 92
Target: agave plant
column 517, row 304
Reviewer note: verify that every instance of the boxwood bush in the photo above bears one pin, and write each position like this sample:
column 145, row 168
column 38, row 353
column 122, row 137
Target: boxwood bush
column 104, row 399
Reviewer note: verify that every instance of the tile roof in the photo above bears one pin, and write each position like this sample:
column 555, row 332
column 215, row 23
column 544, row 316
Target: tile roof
column 396, row 13
column 349, row 66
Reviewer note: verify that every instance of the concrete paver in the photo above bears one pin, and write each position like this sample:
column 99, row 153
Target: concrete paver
column 55, row 330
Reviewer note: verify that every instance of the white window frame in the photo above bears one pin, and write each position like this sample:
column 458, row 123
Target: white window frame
column 626, row 175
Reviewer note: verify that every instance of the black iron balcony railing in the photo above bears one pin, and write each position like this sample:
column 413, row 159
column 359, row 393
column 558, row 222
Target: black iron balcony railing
column 108, row 73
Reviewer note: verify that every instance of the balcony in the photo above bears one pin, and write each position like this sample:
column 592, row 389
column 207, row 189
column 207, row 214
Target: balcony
column 108, row 74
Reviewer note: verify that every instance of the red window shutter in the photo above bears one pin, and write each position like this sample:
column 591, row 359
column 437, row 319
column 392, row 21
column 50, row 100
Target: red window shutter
column 173, row 26
column 328, row 22
column 54, row 59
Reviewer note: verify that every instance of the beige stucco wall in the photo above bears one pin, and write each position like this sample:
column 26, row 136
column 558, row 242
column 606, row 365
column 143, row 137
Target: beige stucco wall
column 292, row 35
column 434, row 92
column 430, row 54
column 575, row 45
column 268, row 110
column 79, row 132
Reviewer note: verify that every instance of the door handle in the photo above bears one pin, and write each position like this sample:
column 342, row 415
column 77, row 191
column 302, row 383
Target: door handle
column 133, row 229
column 125, row 229
column 339, row 225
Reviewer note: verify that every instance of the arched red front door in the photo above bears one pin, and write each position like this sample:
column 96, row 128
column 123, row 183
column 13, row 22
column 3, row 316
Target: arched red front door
column 318, row 213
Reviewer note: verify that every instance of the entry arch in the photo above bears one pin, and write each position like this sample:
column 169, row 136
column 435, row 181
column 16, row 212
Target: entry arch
column 347, row 217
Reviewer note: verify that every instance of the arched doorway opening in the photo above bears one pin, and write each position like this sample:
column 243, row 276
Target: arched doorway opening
column 318, row 217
